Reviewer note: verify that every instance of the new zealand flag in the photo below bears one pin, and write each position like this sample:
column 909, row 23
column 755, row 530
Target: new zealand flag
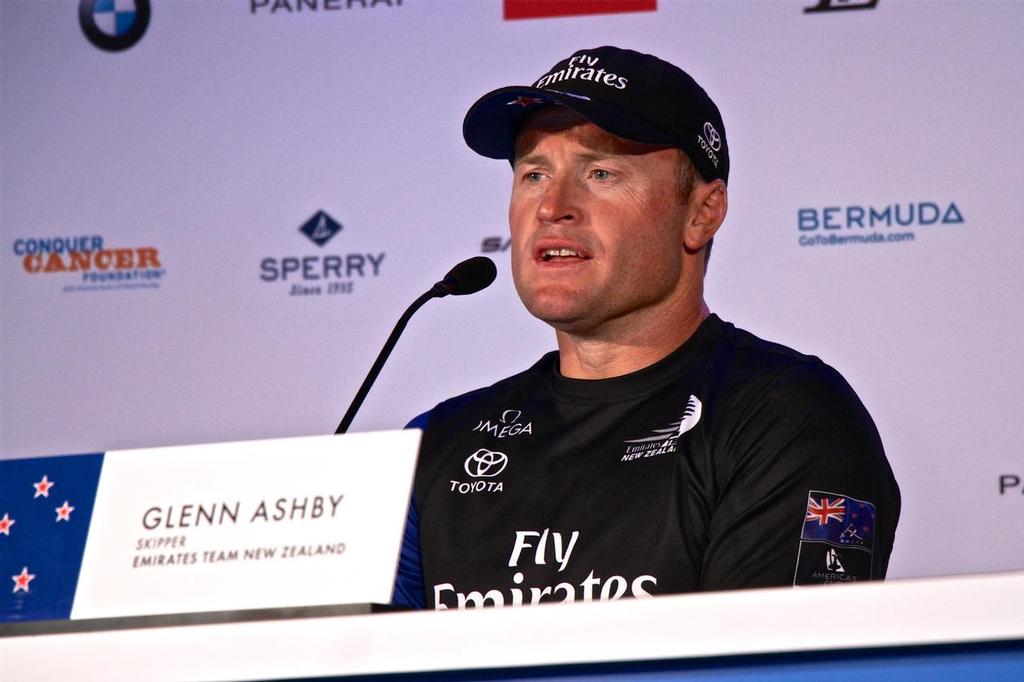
column 837, row 541
column 45, row 508
column 839, row 520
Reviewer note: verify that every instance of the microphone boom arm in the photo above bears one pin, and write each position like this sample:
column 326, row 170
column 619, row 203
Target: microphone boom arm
column 378, row 364
column 468, row 277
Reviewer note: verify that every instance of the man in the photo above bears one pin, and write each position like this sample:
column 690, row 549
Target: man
column 660, row 450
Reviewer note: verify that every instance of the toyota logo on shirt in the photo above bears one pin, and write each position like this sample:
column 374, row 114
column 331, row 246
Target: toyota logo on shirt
column 486, row 463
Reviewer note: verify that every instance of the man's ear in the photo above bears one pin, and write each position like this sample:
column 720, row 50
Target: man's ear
column 709, row 202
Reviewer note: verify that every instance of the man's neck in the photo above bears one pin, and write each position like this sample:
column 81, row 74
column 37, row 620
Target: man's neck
column 606, row 356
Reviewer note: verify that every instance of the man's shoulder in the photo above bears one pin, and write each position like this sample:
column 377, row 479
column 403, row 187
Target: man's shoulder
column 759, row 351
column 743, row 358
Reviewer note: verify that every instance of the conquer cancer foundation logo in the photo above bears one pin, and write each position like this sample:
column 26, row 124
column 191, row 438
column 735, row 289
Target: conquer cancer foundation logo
column 86, row 262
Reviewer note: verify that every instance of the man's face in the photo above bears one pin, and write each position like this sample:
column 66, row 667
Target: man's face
column 597, row 226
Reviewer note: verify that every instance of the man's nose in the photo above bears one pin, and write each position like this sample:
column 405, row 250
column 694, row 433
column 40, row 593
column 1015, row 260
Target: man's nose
column 561, row 202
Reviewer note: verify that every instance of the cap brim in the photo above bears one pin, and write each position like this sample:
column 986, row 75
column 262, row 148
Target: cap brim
column 492, row 123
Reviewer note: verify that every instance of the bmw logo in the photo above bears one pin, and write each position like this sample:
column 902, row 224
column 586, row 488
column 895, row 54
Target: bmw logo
column 113, row 25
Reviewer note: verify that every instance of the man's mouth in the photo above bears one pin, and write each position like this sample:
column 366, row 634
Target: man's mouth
column 551, row 254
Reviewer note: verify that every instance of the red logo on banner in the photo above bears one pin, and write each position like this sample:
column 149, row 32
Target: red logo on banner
column 535, row 9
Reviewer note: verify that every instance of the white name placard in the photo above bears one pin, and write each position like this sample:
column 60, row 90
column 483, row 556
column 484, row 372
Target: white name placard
column 247, row 525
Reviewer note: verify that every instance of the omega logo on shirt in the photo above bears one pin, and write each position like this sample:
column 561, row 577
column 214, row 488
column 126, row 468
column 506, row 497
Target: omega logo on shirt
column 507, row 426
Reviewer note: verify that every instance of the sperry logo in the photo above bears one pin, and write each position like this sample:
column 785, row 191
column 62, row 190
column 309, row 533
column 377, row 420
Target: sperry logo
column 320, row 228
column 507, row 426
column 664, row 440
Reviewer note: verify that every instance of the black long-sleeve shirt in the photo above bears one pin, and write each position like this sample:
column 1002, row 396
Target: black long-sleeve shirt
column 731, row 463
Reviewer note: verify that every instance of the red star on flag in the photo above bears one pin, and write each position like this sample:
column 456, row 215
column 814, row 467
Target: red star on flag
column 43, row 487
column 5, row 524
column 525, row 101
column 22, row 580
column 64, row 511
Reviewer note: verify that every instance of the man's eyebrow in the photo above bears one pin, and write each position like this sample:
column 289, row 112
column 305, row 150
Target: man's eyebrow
column 587, row 157
column 531, row 159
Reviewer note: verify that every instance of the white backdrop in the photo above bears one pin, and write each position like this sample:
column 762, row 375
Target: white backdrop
column 228, row 126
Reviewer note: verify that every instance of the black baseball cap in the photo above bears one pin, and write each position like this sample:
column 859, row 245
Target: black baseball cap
column 630, row 94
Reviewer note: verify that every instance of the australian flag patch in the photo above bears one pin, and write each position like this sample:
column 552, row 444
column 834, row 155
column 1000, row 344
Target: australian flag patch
column 837, row 541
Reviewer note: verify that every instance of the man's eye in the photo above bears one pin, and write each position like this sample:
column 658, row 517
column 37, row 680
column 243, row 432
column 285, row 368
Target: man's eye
column 533, row 176
column 601, row 174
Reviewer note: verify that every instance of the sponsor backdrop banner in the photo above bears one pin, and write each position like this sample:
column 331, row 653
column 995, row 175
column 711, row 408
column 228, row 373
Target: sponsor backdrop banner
column 214, row 212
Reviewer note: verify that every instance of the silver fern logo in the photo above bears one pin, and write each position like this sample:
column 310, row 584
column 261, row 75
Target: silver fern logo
column 664, row 440
column 691, row 415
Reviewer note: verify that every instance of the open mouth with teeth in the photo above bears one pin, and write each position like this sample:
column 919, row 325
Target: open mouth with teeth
column 559, row 254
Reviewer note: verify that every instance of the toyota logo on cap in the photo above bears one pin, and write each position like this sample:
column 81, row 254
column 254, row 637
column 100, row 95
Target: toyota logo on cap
column 712, row 136
column 486, row 463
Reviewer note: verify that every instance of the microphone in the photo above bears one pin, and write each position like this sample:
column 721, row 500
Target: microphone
column 468, row 277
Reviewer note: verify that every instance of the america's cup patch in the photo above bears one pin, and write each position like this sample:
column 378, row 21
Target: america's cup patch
column 837, row 540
